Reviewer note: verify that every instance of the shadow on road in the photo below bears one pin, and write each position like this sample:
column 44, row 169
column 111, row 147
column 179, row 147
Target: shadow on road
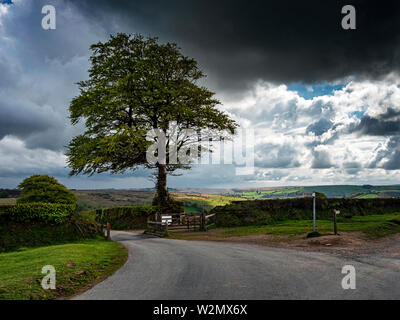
column 127, row 236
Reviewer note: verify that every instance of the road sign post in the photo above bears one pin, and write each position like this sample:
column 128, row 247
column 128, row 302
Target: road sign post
column 108, row 231
column 335, row 213
column 314, row 214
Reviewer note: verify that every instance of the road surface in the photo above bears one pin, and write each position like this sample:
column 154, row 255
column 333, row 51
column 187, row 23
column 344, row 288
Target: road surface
column 176, row 269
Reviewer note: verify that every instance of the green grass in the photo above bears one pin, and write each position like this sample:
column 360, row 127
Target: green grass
column 271, row 193
column 196, row 202
column 192, row 209
column 374, row 226
column 368, row 196
column 77, row 265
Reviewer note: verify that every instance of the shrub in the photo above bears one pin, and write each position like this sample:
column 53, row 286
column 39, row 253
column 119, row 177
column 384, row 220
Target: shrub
column 45, row 189
column 126, row 218
column 36, row 232
column 38, row 212
column 174, row 206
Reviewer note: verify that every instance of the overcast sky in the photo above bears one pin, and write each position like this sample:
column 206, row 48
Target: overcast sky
column 324, row 102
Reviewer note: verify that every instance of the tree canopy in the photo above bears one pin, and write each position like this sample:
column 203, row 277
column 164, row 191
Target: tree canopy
column 137, row 85
column 44, row 189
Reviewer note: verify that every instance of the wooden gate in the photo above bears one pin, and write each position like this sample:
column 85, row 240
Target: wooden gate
column 161, row 224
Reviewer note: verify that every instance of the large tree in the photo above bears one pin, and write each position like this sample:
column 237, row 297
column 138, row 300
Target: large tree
column 137, row 85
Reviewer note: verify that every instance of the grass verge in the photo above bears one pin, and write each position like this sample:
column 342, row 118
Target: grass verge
column 78, row 265
column 373, row 226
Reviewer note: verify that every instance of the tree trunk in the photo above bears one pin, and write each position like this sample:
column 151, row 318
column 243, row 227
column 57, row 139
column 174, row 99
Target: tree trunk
column 161, row 197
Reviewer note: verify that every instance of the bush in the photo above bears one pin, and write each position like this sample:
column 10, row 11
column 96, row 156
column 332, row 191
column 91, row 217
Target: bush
column 38, row 212
column 35, row 233
column 173, row 206
column 45, row 189
column 127, row 218
column 260, row 212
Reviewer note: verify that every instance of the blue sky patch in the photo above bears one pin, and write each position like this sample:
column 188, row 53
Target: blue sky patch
column 358, row 114
column 311, row 91
column 6, row 2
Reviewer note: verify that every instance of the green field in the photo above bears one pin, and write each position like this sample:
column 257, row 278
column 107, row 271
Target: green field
column 77, row 265
column 278, row 193
column 339, row 191
column 368, row 196
column 196, row 202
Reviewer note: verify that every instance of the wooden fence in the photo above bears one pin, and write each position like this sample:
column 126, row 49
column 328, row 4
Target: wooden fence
column 162, row 224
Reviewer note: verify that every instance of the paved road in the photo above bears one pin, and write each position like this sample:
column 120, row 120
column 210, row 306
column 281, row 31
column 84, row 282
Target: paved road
column 175, row 269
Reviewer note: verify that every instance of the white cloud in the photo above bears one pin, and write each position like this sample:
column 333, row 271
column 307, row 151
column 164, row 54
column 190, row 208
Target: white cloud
column 39, row 72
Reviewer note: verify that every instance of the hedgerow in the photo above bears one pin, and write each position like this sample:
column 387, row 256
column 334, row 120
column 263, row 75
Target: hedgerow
column 42, row 225
column 38, row 212
column 125, row 218
column 261, row 212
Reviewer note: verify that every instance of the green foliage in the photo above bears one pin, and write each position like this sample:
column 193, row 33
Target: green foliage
column 3, row 194
column 136, row 85
column 173, row 206
column 38, row 212
column 320, row 195
column 35, row 232
column 127, row 218
column 261, row 212
column 45, row 189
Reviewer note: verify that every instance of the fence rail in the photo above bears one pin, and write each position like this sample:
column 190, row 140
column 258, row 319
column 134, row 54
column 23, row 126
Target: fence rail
column 178, row 222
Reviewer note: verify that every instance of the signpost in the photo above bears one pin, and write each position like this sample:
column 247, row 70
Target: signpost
column 166, row 219
column 108, row 231
column 335, row 213
column 314, row 214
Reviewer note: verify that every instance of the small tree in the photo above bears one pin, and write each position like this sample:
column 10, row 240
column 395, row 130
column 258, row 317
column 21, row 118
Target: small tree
column 137, row 85
column 42, row 188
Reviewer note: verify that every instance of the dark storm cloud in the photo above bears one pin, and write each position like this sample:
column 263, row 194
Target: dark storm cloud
column 282, row 41
column 20, row 118
column 385, row 124
column 39, row 70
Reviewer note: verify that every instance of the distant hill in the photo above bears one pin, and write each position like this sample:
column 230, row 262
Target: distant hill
column 197, row 199
column 337, row 191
